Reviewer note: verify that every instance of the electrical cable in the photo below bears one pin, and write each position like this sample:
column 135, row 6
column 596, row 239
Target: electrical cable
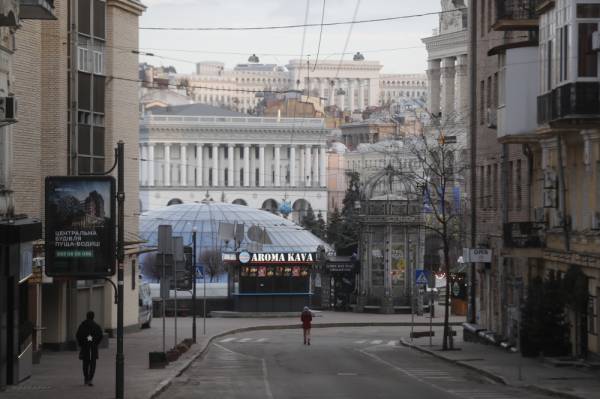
column 305, row 25
column 320, row 36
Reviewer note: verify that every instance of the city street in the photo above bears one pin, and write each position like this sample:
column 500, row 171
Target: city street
column 340, row 363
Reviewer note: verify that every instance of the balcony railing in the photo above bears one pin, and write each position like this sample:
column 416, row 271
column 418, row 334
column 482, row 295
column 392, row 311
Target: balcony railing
column 515, row 15
column 36, row 9
column 522, row 235
column 580, row 100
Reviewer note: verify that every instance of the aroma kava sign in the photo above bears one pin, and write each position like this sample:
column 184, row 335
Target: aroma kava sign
column 277, row 257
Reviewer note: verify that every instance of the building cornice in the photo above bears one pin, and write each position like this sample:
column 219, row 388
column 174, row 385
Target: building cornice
column 447, row 44
column 131, row 6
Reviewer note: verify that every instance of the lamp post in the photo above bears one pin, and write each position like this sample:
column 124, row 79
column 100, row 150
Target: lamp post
column 194, row 284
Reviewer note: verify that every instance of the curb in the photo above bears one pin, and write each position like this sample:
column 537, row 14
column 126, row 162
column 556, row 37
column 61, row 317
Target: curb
column 493, row 376
column 164, row 384
column 488, row 374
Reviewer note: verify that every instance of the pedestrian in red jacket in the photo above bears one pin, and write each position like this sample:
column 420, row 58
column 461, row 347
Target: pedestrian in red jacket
column 306, row 318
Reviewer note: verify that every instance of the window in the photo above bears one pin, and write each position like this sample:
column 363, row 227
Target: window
column 496, row 94
column 83, row 62
column 488, row 189
column 241, row 176
column 210, row 152
column 98, row 63
column 226, row 176
column 241, row 152
column 588, row 10
column 509, row 185
column 481, row 102
column 518, row 187
column 587, row 58
column 256, row 176
column 495, row 190
column 83, row 118
column 563, row 35
column 481, row 186
column 133, row 276
column 549, row 65
column 256, row 152
column 482, row 16
column 210, row 177
column 98, row 119
column 225, row 154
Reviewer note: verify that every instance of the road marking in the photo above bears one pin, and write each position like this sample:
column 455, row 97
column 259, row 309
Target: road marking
column 391, row 343
column 261, row 339
column 244, row 340
column 344, row 374
column 406, row 372
column 376, row 342
column 362, row 341
column 227, row 340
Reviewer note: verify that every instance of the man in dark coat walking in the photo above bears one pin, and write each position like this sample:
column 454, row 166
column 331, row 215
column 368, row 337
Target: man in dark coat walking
column 89, row 335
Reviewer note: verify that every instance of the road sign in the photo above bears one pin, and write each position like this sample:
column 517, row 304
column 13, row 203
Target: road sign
column 421, row 277
column 477, row 255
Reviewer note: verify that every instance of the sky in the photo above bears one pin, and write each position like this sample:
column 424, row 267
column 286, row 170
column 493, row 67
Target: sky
column 396, row 44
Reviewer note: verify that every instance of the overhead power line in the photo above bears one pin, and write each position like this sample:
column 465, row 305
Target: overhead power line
column 305, row 25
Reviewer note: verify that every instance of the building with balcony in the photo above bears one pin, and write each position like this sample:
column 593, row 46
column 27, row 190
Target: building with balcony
column 189, row 151
column 505, row 85
column 71, row 115
column 566, row 169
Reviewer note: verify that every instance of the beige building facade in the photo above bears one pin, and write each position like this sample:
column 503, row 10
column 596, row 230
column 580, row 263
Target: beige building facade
column 44, row 142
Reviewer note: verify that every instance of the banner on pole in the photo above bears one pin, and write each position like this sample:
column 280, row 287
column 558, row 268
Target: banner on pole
column 80, row 226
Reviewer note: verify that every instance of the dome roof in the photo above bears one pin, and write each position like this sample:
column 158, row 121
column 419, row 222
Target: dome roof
column 205, row 217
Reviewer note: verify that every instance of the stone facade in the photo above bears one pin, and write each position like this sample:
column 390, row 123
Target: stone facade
column 258, row 162
column 350, row 85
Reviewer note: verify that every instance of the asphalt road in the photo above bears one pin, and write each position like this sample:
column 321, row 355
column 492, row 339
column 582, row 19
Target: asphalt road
column 341, row 363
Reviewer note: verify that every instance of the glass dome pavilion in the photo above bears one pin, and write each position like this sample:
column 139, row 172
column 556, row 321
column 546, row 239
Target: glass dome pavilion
column 205, row 217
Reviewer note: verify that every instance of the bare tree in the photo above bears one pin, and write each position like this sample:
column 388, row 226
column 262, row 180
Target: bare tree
column 212, row 262
column 437, row 170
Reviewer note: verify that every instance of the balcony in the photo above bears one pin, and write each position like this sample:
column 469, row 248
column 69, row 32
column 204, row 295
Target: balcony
column 580, row 100
column 515, row 15
column 543, row 5
column 522, row 235
column 9, row 13
column 37, row 9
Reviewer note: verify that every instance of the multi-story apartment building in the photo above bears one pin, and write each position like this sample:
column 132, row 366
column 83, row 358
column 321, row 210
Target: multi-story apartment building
column 506, row 39
column 538, row 175
column 77, row 91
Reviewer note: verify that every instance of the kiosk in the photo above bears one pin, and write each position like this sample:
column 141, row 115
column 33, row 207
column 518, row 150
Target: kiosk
column 270, row 282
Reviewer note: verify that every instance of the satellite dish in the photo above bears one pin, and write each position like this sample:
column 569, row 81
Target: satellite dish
column 259, row 234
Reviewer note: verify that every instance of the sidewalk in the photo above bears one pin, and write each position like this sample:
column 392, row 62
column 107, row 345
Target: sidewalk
column 59, row 374
column 503, row 366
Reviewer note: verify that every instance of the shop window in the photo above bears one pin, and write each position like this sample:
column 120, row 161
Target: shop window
column 587, row 57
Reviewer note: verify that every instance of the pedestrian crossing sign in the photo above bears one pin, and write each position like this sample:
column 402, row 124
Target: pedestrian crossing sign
column 421, row 277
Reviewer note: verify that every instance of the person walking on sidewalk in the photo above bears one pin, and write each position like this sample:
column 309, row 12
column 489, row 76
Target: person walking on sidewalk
column 306, row 318
column 89, row 335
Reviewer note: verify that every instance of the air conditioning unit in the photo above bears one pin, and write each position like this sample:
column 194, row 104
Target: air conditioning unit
column 540, row 215
column 8, row 110
column 549, row 178
column 549, row 199
column 596, row 221
column 492, row 118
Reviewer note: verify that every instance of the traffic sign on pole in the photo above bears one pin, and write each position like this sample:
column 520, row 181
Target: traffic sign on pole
column 421, row 277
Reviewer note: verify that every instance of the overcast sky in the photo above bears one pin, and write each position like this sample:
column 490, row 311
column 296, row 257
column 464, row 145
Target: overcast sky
column 183, row 49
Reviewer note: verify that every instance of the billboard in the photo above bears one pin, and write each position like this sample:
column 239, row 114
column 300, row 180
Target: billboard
column 80, row 226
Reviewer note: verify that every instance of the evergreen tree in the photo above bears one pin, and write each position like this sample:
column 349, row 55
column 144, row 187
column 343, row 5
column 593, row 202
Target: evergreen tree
column 309, row 221
column 334, row 228
column 320, row 227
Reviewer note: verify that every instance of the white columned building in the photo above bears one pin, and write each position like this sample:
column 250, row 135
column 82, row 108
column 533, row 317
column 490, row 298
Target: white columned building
column 343, row 75
column 447, row 53
column 247, row 160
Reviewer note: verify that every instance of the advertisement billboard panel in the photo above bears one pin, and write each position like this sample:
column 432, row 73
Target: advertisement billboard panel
column 80, row 226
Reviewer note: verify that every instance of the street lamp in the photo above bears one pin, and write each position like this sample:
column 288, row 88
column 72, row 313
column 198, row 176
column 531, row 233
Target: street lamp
column 194, row 284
